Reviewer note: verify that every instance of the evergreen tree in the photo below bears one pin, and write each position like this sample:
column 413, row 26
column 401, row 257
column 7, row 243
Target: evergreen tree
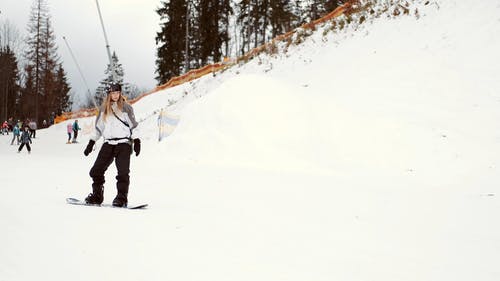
column 315, row 10
column 34, row 57
column 195, row 33
column 319, row 8
column 298, row 11
column 39, row 96
column 262, row 20
column 61, row 97
column 331, row 5
column 213, row 36
column 49, row 68
column 281, row 17
column 225, row 13
column 192, row 40
column 100, row 93
column 9, row 87
column 171, row 40
column 249, row 21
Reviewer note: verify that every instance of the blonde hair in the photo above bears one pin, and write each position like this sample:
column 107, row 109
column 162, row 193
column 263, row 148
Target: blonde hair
column 106, row 104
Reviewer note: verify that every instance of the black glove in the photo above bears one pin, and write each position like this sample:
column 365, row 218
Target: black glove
column 89, row 147
column 137, row 146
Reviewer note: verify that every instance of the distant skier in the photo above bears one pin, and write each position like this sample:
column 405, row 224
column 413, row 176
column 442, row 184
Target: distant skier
column 17, row 133
column 76, row 128
column 69, row 130
column 11, row 123
column 33, row 127
column 5, row 128
column 25, row 140
column 116, row 124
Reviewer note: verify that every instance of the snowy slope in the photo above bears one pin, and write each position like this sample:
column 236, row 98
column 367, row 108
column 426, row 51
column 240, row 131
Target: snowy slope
column 366, row 155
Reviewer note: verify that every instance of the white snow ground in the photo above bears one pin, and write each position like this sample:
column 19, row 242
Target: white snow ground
column 371, row 155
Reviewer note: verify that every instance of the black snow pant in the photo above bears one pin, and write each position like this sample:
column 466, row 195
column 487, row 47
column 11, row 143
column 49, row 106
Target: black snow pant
column 120, row 153
column 27, row 146
column 18, row 137
column 75, row 135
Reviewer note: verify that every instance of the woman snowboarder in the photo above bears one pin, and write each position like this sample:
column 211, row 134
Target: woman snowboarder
column 116, row 124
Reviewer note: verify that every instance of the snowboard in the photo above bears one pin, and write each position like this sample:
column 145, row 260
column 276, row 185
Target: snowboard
column 74, row 201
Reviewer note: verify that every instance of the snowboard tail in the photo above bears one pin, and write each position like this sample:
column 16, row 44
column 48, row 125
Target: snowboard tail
column 74, row 201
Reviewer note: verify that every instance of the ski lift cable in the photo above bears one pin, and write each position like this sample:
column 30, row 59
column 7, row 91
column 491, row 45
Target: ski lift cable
column 80, row 71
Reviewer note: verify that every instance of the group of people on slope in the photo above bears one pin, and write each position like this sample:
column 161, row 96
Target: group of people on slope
column 23, row 138
column 72, row 128
column 9, row 125
column 22, row 132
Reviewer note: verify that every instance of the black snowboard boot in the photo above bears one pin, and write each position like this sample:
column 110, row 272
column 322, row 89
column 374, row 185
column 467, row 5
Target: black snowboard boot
column 120, row 200
column 122, row 183
column 97, row 195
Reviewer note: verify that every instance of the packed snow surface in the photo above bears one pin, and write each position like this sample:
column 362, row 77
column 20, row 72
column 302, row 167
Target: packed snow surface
column 369, row 154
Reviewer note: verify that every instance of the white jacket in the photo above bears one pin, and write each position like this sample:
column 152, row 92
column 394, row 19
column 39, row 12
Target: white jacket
column 113, row 130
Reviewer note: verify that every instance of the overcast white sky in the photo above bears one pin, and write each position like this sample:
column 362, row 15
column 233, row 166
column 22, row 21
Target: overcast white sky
column 131, row 26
